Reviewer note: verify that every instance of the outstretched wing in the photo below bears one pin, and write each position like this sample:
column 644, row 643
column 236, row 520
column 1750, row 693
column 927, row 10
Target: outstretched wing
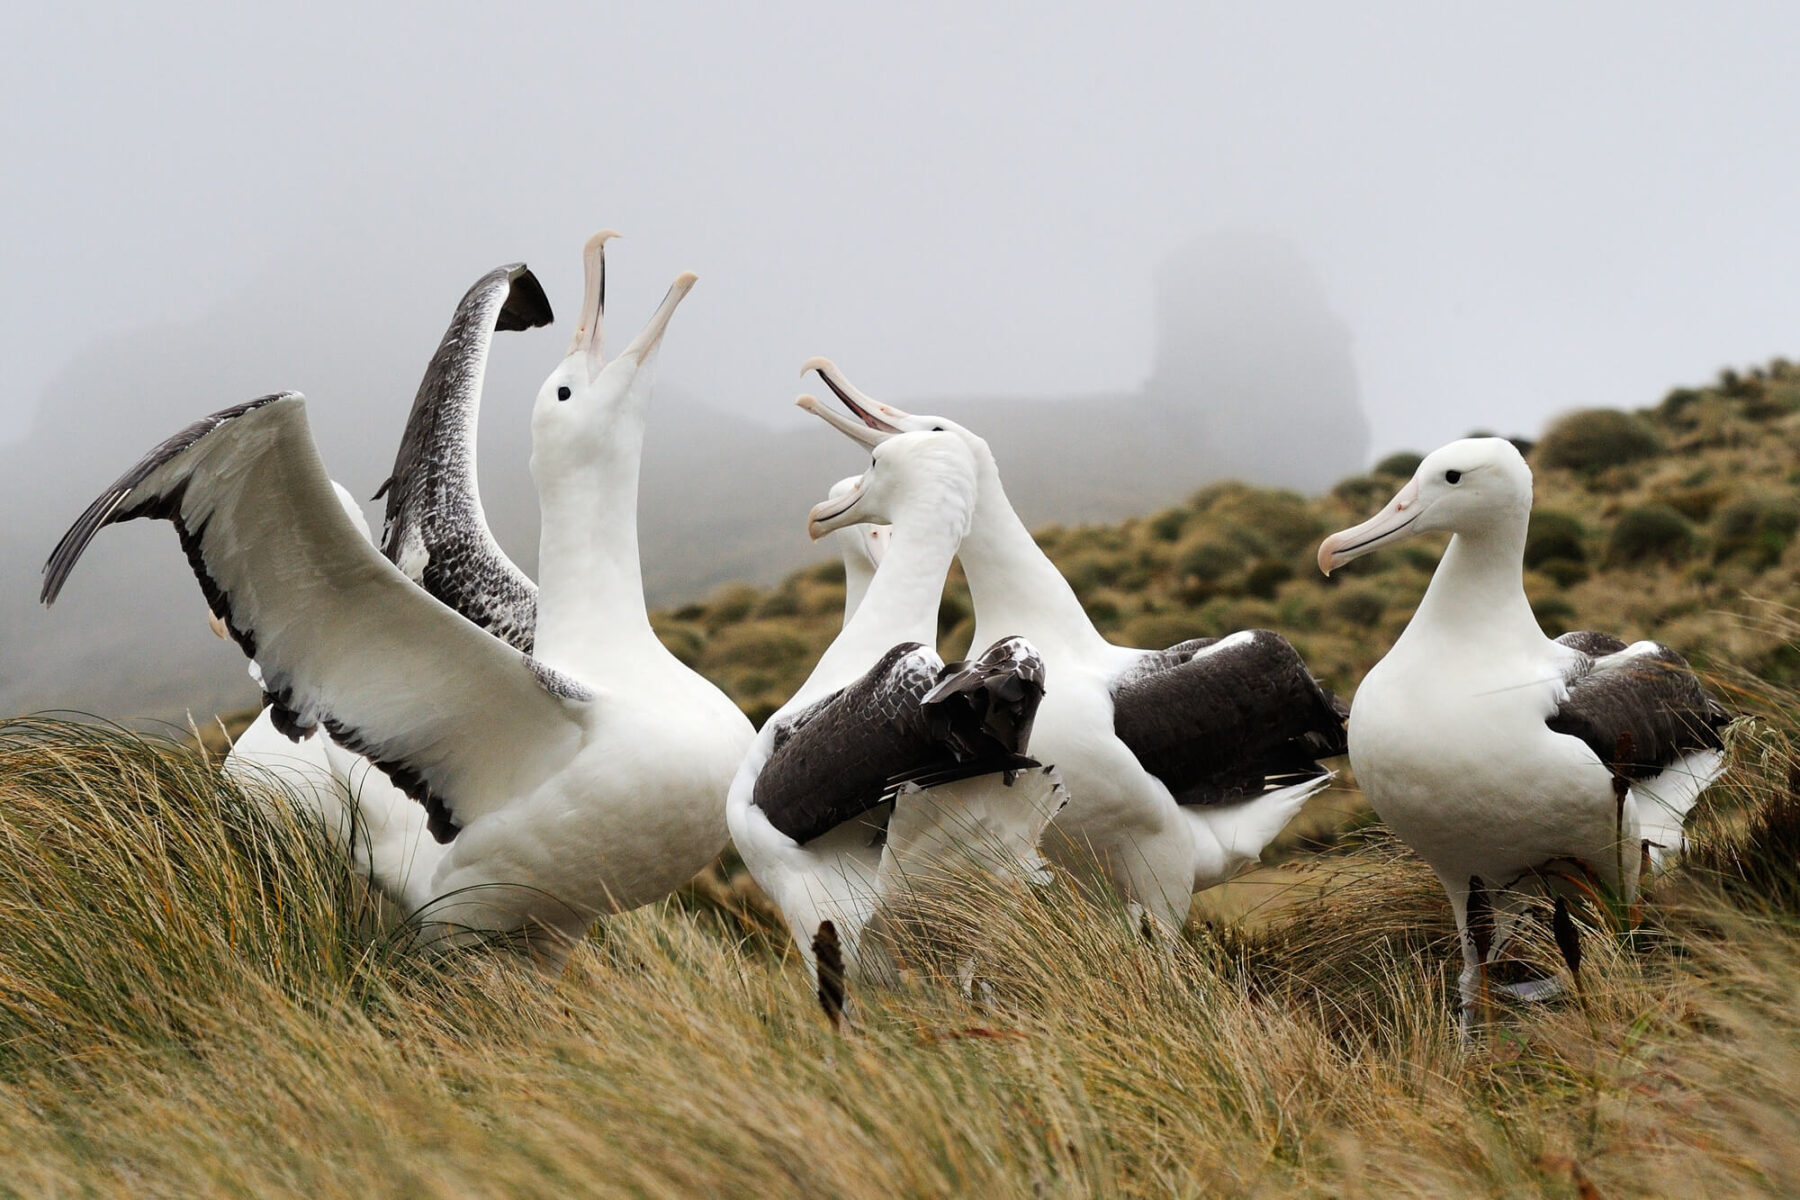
column 435, row 530
column 1640, row 708
column 460, row 720
column 856, row 748
column 1222, row 721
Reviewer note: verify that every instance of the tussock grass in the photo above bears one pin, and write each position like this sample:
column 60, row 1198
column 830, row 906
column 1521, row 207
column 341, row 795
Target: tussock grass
column 196, row 999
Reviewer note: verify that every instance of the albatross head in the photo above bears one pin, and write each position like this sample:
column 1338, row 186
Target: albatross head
column 1465, row 487
column 861, row 545
column 876, row 422
column 913, row 479
column 588, row 402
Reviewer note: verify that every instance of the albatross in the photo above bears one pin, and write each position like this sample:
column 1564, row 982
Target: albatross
column 887, row 766
column 1181, row 764
column 585, row 777
column 1505, row 758
column 437, row 534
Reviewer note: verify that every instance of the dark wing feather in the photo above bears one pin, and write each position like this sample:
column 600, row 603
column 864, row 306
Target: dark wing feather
column 458, row 719
column 907, row 720
column 1228, row 719
column 1638, row 712
column 435, row 530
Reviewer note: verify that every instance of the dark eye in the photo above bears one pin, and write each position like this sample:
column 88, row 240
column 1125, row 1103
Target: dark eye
column 562, row 393
column 1452, row 476
column 937, row 429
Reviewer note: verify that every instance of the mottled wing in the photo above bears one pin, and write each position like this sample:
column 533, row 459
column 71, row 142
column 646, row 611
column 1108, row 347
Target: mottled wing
column 859, row 746
column 1640, row 708
column 435, row 530
column 458, row 719
column 1230, row 720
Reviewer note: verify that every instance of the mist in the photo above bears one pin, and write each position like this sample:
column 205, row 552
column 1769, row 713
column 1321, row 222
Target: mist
column 1386, row 226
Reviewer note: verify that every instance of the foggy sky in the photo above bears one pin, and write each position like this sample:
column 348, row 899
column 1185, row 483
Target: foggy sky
column 1514, row 210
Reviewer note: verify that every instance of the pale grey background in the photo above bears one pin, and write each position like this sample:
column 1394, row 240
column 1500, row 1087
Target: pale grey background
column 1466, row 216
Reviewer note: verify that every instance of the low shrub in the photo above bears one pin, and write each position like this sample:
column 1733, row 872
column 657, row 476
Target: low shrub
column 1597, row 438
column 1401, row 463
column 1756, row 532
column 1263, row 579
column 1650, row 533
column 1555, row 535
column 1363, row 606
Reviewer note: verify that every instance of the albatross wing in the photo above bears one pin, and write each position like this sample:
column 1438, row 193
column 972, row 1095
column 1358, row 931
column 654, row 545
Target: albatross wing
column 1638, row 707
column 1222, row 721
column 460, row 720
column 435, row 530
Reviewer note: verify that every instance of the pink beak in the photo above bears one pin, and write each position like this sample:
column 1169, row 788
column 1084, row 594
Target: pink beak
column 1391, row 524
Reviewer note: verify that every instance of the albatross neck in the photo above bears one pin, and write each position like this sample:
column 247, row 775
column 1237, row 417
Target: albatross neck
column 591, row 615
column 901, row 604
column 1014, row 586
column 1477, row 594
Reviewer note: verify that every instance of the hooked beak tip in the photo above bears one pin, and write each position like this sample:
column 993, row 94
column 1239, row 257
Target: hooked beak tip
column 818, row 363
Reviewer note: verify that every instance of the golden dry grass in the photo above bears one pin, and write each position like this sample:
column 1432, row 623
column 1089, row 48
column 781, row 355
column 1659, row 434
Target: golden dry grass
column 196, row 1000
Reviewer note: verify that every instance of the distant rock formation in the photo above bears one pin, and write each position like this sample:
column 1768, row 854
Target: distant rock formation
column 1252, row 361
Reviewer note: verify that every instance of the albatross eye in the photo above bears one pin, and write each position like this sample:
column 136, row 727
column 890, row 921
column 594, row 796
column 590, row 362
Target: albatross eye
column 562, row 393
column 1452, row 476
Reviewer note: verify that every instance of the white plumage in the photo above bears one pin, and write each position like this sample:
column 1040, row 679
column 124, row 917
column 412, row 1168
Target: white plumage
column 587, row 777
column 1496, row 753
column 1233, row 727
column 822, row 849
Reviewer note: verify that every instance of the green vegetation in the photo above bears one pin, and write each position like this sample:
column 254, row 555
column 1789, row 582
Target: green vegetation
column 198, row 999
column 1649, row 533
column 1597, row 438
column 1676, row 542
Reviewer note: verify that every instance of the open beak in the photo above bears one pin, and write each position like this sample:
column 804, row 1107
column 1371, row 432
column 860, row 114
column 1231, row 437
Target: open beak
column 879, row 421
column 650, row 337
column 834, row 513
column 593, row 300
column 1391, row 524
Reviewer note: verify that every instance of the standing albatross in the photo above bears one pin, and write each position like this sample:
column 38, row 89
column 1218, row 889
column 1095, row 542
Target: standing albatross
column 438, row 536
column 586, row 777
column 888, row 768
column 1501, row 756
column 1181, row 764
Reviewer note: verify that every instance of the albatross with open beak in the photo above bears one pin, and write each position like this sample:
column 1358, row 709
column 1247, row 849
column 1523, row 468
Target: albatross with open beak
column 586, row 777
column 1181, row 764
column 888, row 768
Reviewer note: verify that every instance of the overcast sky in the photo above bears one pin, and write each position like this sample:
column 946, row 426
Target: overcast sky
column 1516, row 209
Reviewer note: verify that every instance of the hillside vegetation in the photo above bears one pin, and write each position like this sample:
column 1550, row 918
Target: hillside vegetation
column 1679, row 519
column 198, row 999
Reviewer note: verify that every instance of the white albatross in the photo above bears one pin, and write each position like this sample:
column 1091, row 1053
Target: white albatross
column 1181, row 764
column 587, row 777
column 435, row 521
column 888, row 767
column 1503, row 757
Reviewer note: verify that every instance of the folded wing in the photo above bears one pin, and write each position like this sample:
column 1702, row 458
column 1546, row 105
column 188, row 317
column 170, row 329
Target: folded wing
column 435, row 529
column 909, row 720
column 1220, row 721
column 1640, row 708
column 460, row 720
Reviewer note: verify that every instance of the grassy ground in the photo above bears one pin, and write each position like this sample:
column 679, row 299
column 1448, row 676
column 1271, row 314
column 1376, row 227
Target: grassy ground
column 197, row 999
